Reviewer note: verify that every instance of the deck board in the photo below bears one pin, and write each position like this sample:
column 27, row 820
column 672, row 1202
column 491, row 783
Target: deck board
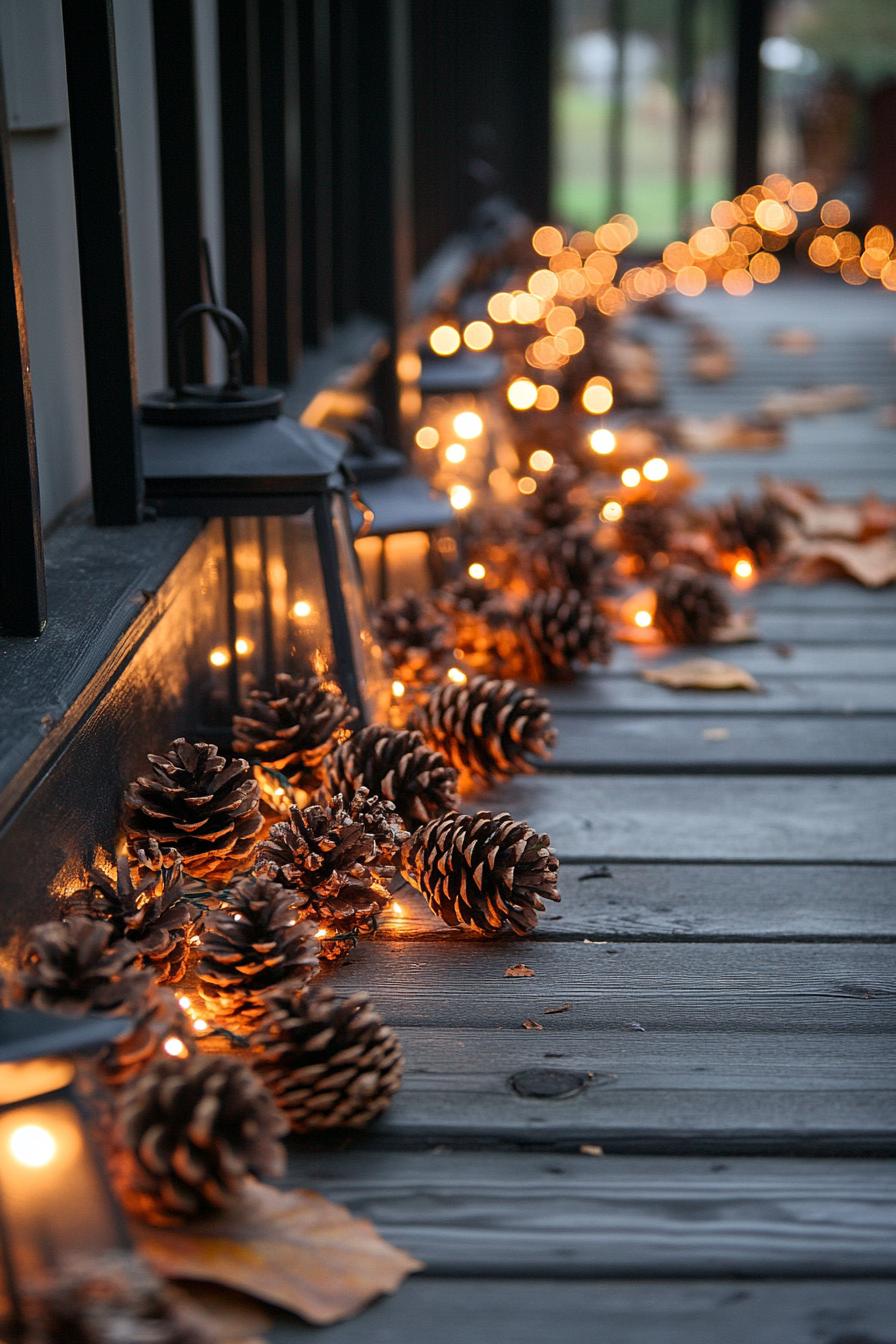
column 696, row 902
column 654, row 1312
column 602, row 1217
column 692, row 818
column 722, row 955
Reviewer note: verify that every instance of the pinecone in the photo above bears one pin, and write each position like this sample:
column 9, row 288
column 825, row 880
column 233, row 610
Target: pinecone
column 487, row 728
column 257, row 940
column 416, row 639
column 554, row 503
column 690, row 607
column 380, row 818
column 567, row 632
column 113, row 1298
column 569, row 559
column 78, row 967
column 485, row 629
column 752, row 525
column 327, row 858
column 205, row 806
column 328, row 1063
column 149, row 907
column 397, row 765
column 193, row 1130
column 155, row 1016
column 646, row 529
column 292, row 728
column 485, row 872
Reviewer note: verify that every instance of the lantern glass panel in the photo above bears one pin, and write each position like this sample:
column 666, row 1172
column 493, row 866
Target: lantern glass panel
column 54, row 1195
column 367, row 653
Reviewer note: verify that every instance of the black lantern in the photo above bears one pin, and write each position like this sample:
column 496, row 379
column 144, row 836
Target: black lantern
column 280, row 490
column 55, row 1199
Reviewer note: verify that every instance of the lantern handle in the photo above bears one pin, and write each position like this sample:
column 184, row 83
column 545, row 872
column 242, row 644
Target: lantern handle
column 236, row 338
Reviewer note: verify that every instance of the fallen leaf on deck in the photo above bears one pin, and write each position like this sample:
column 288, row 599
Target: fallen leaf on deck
column 825, row 399
column 591, row 1150
column 561, row 1008
column 292, row 1249
column 711, row 365
column 740, row 628
column 871, row 563
column 231, row 1317
column 520, row 969
column 529, row 1024
column 795, row 340
column 726, row 434
column 716, row 734
column 702, row 674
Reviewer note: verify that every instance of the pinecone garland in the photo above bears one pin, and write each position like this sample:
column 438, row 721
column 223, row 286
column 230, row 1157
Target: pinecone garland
column 646, row 529
column 690, row 607
column 329, row 1063
column 256, row 941
column 203, row 805
column 486, row 872
column 484, row 628
column 292, row 728
column 113, row 1298
column 149, row 907
column 380, row 818
column 416, row 638
column 554, row 504
column 327, row 858
column 155, row 1016
column 567, row 633
column 397, row 765
column 488, row 729
column 193, row 1130
column 569, row 559
column 752, row 525
column 78, row 967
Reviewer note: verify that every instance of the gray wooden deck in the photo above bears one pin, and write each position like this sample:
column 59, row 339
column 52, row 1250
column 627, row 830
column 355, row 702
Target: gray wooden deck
column 715, row 991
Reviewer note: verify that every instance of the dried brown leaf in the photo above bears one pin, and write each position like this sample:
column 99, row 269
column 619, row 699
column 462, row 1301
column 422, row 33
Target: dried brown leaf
column 292, row 1249
column 561, row 1008
column 591, row 1150
column 825, row 399
column 529, row 1024
column 795, row 340
column 517, row 971
column 871, row 563
column 702, row 674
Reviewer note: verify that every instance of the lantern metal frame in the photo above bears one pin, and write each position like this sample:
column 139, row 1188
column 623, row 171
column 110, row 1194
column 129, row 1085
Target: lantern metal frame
column 227, row 452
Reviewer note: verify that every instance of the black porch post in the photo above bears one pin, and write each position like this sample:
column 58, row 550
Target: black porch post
column 749, row 17
column 103, row 260
column 23, row 601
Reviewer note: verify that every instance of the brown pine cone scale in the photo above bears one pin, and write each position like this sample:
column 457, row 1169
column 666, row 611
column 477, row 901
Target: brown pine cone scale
column 397, row 765
column 291, row 729
column 253, row 943
column 193, row 1131
column 690, row 607
column 485, row 872
column 567, row 633
column 329, row 1063
column 147, row 903
column 203, row 805
column 488, row 729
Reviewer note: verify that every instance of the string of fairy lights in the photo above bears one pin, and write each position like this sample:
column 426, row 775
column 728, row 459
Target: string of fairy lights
column 581, row 279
